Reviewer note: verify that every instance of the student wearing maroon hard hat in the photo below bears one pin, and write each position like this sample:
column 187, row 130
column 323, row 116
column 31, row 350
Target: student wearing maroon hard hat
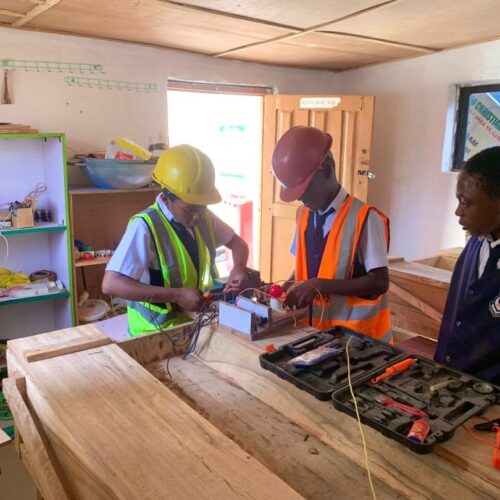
column 340, row 245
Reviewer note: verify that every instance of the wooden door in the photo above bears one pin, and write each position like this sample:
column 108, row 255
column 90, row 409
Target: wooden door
column 348, row 119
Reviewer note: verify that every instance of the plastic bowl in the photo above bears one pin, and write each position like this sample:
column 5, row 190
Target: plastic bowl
column 119, row 174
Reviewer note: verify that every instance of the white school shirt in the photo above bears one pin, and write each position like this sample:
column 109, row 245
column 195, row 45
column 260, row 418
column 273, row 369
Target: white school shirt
column 372, row 246
column 484, row 253
column 136, row 251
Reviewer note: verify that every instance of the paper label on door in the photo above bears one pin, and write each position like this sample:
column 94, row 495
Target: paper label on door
column 319, row 102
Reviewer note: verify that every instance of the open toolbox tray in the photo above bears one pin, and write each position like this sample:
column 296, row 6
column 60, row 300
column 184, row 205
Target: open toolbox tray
column 447, row 405
column 448, row 396
column 366, row 356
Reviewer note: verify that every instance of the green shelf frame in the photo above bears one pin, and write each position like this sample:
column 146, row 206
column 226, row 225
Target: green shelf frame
column 34, row 229
column 63, row 228
column 32, row 136
column 36, row 298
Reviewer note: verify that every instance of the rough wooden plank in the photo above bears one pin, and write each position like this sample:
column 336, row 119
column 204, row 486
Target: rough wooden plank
column 409, row 318
column 85, row 332
column 302, row 461
column 119, row 433
column 63, row 348
column 154, row 347
column 419, row 346
column 452, row 253
column 39, row 462
column 415, row 302
column 421, row 273
column 416, row 476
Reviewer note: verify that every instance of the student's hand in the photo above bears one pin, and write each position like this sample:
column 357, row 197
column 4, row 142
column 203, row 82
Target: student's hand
column 190, row 299
column 301, row 294
column 237, row 281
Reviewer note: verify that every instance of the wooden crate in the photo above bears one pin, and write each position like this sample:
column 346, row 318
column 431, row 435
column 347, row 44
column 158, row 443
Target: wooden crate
column 417, row 295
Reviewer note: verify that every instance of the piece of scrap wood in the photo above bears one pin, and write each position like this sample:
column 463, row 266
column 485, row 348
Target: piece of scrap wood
column 415, row 302
column 68, row 347
column 4, row 438
column 40, row 465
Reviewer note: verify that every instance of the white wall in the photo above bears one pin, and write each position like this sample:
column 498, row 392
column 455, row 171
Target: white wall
column 89, row 116
column 410, row 114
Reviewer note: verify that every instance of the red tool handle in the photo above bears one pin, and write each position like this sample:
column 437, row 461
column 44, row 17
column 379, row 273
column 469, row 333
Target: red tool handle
column 407, row 408
column 398, row 367
column 496, row 451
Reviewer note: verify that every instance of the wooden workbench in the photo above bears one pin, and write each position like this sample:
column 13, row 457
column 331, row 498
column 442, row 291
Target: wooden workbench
column 94, row 423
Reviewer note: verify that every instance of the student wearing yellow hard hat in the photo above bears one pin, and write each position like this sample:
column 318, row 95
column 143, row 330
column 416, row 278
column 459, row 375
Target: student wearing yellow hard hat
column 167, row 254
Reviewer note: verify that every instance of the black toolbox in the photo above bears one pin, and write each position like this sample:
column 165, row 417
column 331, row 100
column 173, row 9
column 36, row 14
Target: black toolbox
column 320, row 380
column 444, row 398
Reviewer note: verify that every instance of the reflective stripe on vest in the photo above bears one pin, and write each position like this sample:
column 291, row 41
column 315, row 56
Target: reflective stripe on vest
column 177, row 270
column 370, row 317
column 167, row 249
column 155, row 317
column 207, row 234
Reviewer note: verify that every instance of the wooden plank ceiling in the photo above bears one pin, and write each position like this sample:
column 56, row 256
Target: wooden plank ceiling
column 327, row 34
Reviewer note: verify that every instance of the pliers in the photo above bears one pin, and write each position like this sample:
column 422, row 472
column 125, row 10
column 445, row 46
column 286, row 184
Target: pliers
column 492, row 425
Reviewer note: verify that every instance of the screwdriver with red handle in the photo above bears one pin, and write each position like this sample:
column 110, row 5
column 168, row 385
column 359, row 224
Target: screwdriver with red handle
column 398, row 367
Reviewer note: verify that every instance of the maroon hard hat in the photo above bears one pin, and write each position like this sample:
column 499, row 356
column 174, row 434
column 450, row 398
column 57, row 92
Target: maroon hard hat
column 296, row 157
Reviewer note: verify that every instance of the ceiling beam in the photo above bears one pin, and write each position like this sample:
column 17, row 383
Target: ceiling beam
column 229, row 15
column 382, row 41
column 39, row 9
column 11, row 13
column 312, row 29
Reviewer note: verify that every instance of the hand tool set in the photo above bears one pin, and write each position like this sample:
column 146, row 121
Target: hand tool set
column 413, row 400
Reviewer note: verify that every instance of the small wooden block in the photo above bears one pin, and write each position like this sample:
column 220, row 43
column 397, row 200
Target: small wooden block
column 23, row 218
column 51, row 351
column 4, row 438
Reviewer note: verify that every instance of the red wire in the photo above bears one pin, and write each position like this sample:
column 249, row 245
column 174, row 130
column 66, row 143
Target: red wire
column 477, row 438
column 323, row 307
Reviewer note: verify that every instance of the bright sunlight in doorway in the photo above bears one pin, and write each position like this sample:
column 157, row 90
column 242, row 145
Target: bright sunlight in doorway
column 228, row 128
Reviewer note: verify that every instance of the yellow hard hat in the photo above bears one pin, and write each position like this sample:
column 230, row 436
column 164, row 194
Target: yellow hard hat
column 189, row 174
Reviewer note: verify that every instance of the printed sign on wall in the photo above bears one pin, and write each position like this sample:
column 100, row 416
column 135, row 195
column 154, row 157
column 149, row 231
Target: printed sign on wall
column 483, row 123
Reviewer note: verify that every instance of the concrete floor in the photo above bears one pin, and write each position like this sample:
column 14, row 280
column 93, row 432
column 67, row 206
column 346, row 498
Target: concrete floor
column 15, row 482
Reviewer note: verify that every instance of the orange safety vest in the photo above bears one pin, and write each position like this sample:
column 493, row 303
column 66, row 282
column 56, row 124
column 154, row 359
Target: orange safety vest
column 367, row 316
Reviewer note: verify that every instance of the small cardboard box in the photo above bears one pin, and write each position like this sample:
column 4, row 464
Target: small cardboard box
column 23, row 218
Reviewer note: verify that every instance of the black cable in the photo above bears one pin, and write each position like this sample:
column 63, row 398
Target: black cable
column 207, row 315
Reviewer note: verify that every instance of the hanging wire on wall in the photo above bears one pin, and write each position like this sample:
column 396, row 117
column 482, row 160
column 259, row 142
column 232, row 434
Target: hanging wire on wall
column 62, row 67
column 110, row 84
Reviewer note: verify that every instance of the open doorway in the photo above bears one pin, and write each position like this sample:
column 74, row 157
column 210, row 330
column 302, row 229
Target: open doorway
column 228, row 128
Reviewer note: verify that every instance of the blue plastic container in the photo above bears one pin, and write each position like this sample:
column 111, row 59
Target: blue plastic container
column 119, row 174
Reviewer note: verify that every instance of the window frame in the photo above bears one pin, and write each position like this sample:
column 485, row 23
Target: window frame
column 462, row 113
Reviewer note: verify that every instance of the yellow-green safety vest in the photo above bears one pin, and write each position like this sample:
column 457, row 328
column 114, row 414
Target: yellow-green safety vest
column 177, row 268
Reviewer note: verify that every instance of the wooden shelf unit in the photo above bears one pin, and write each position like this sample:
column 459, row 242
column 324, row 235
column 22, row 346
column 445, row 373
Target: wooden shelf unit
column 25, row 161
column 42, row 227
column 61, row 294
column 99, row 218
column 96, row 261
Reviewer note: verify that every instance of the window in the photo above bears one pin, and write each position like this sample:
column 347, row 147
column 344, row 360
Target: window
column 478, row 122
